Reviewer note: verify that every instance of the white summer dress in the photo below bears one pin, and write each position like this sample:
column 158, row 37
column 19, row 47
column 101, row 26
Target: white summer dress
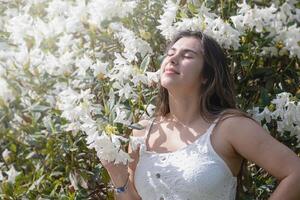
column 195, row 172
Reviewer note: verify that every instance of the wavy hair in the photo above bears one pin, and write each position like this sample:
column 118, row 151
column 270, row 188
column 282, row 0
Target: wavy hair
column 217, row 93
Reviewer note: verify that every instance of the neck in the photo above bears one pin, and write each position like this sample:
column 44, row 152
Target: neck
column 184, row 109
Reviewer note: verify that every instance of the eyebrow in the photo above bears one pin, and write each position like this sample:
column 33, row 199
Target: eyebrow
column 185, row 50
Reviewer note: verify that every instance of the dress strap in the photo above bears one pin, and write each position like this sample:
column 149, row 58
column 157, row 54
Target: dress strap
column 148, row 128
column 135, row 141
column 212, row 126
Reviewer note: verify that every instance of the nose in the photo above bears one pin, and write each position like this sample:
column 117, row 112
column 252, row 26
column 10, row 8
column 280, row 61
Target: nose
column 174, row 59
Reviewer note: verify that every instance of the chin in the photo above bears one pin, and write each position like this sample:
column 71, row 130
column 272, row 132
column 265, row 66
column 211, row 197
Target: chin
column 168, row 84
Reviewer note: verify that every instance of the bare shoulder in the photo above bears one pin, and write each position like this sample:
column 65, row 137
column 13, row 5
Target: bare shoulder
column 239, row 130
column 239, row 124
column 253, row 142
column 141, row 132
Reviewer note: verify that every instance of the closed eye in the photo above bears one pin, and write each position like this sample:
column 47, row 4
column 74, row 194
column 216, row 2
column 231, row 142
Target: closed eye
column 187, row 55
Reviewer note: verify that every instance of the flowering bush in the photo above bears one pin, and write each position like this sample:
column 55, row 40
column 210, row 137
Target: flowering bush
column 76, row 77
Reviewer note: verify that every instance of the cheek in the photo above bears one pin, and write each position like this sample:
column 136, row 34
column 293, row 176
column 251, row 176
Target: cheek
column 192, row 69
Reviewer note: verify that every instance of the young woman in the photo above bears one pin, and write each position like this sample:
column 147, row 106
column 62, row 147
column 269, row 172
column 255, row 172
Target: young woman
column 194, row 146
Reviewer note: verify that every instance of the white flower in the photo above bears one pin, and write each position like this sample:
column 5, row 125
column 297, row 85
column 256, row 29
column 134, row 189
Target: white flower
column 75, row 106
column 167, row 18
column 122, row 115
column 43, row 30
column 244, row 7
column 1, row 176
column 83, row 64
column 6, row 94
column 4, row 45
column 65, row 42
column 21, row 56
column 124, row 90
column 290, row 37
column 260, row 18
column 135, row 142
column 265, row 114
column 109, row 148
column 57, row 66
column 237, row 21
column 225, row 35
column 122, row 157
column 100, row 68
column 281, row 100
column 76, row 16
column 57, row 8
column 132, row 44
column 105, row 148
column 195, row 23
column 19, row 27
column 286, row 113
column 100, row 10
column 6, row 154
column 150, row 109
column 12, row 174
column 291, row 112
column 116, row 139
column 122, row 70
column 139, row 78
column 92, row 135
column 153, row 77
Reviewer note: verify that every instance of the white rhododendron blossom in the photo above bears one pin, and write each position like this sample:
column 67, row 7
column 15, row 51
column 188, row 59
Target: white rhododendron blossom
column 6, row 94
column 167, row 19
column 107, row 150
column 226, row 35
column 12, row 173
column 205, row 21
column 122, row 115
column 132, row 43
column 19, row 27
column 6, row 155
column 286, row 113
column 1, row 176
column 100, row 10
column 274, row 21
column 290, row 37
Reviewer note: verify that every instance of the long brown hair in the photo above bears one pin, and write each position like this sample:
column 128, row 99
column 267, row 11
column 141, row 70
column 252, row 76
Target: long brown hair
column 217, row 93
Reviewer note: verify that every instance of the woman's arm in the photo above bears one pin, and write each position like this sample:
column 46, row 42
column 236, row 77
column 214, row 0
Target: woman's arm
column 119, row 173
column 252, row 142
column 131, row 193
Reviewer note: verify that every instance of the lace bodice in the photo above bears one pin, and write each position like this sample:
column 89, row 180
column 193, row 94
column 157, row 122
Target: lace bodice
column 195, row 172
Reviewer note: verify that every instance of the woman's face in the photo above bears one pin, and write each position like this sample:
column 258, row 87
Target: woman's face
column 182, row 66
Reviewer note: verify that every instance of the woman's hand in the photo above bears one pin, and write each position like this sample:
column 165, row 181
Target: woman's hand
column 117, row 172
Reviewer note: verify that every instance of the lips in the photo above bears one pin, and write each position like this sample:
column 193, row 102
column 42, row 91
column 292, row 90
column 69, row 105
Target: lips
column 170, row 71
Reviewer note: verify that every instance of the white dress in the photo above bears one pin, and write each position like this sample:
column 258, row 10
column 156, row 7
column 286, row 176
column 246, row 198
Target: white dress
column 195, row 172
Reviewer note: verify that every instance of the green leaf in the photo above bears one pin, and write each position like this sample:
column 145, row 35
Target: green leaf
column 136, row 126
column 145, row 63
column 39, row 108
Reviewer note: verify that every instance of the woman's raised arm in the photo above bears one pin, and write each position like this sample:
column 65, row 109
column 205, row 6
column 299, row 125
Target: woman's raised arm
column 253, row 142
column 120, row 173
